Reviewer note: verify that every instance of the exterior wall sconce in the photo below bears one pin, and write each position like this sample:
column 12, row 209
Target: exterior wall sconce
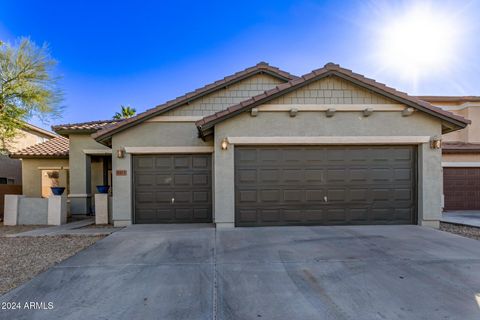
column 367, row 112
column 224, row 144
column 120, row 153
column 330, row 112
column 436, row 142
column 407, row 112
column 254, row 112
column 293, row 112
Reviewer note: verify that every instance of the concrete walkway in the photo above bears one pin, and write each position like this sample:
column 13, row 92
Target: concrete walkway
column 467, row 218
column 198, row 272
column 71, row 228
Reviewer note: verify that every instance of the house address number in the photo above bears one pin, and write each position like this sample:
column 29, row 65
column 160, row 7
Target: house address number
column 121, row 172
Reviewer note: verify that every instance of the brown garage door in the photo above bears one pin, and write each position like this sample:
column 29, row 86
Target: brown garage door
column 175, row 188
column 325, row 185
column 461, row 188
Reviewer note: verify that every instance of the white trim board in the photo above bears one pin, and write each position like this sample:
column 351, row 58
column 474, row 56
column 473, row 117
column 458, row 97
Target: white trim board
column 53, row 168
column 160, row 150
column 461, row 164
column 337, row 107
column 333, row 140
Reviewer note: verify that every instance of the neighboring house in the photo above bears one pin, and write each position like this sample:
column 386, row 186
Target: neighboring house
column 461, row 154
column 264, row 147
column 28, row 135
column 44, row 165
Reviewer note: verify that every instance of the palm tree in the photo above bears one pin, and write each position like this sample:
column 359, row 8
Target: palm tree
column 126, row 113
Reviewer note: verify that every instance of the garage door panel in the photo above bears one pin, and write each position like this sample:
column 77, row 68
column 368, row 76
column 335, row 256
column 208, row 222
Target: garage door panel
column 247, row 176
column 270, row 195
column 201, row 179
column 267, row 175
column 292, row 195
column 461, row 188
column 183, row 179
column 144, row 163
column 315, row 195
column 325, row 185
column 159, row 179
column 269, row 215
column 172, row 188
column 145, row 180
column 163, row 163
column 248, row 196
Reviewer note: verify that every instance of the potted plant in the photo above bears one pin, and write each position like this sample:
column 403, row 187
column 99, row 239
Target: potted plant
column 103, row 189
column 54, row 177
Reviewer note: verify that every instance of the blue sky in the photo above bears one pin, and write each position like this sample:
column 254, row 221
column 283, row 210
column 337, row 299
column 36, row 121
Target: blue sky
column 142, row 53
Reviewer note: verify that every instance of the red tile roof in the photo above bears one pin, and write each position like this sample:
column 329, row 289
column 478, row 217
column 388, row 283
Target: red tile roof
column 261, row 67
column 329, row 69
column 53, row 148
column 85, row 127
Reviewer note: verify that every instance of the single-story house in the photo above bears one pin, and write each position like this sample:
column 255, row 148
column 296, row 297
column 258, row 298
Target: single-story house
column 263, row 147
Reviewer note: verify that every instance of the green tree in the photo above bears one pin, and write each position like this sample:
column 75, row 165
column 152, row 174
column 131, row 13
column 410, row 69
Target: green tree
column 27, row 87
column 126, row 113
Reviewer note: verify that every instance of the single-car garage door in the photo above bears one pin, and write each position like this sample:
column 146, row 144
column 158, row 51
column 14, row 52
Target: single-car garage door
column 173, row 188
column 320, row 185
column 461, row 188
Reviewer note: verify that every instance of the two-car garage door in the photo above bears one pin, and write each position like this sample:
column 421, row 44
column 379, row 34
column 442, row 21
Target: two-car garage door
column 325, row 185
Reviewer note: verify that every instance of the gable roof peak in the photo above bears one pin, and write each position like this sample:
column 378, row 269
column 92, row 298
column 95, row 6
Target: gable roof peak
column 105, row 133
column 330, row 69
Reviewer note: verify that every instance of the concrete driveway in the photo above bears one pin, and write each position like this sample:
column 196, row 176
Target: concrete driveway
column 196, row 272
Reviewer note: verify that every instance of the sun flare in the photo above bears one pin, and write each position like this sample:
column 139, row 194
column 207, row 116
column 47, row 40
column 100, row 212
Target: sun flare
column 423, row 39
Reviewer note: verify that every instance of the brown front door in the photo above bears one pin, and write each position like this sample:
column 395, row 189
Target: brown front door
column 173, row 188
column 461, row 188
column 319, row 185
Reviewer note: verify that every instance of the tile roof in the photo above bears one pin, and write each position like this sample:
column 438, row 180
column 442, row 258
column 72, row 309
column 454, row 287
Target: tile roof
column 460, row 147
column 87, row 127
column 329, row 69
column 454, row 99
column 261, row 67
column 53, row 148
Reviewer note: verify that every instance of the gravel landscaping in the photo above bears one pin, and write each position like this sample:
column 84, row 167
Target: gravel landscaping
column 22, row 258
column 465, row 231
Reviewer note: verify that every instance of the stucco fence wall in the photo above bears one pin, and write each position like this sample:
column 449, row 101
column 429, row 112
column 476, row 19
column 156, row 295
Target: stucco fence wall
column 342, row 124
column 279, row 124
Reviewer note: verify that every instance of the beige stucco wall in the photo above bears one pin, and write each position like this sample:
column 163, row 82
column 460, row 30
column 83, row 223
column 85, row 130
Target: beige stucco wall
column 32, row 174
column 81, row 172
column 316, row 124
column 26, row 138
column 227, row 97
